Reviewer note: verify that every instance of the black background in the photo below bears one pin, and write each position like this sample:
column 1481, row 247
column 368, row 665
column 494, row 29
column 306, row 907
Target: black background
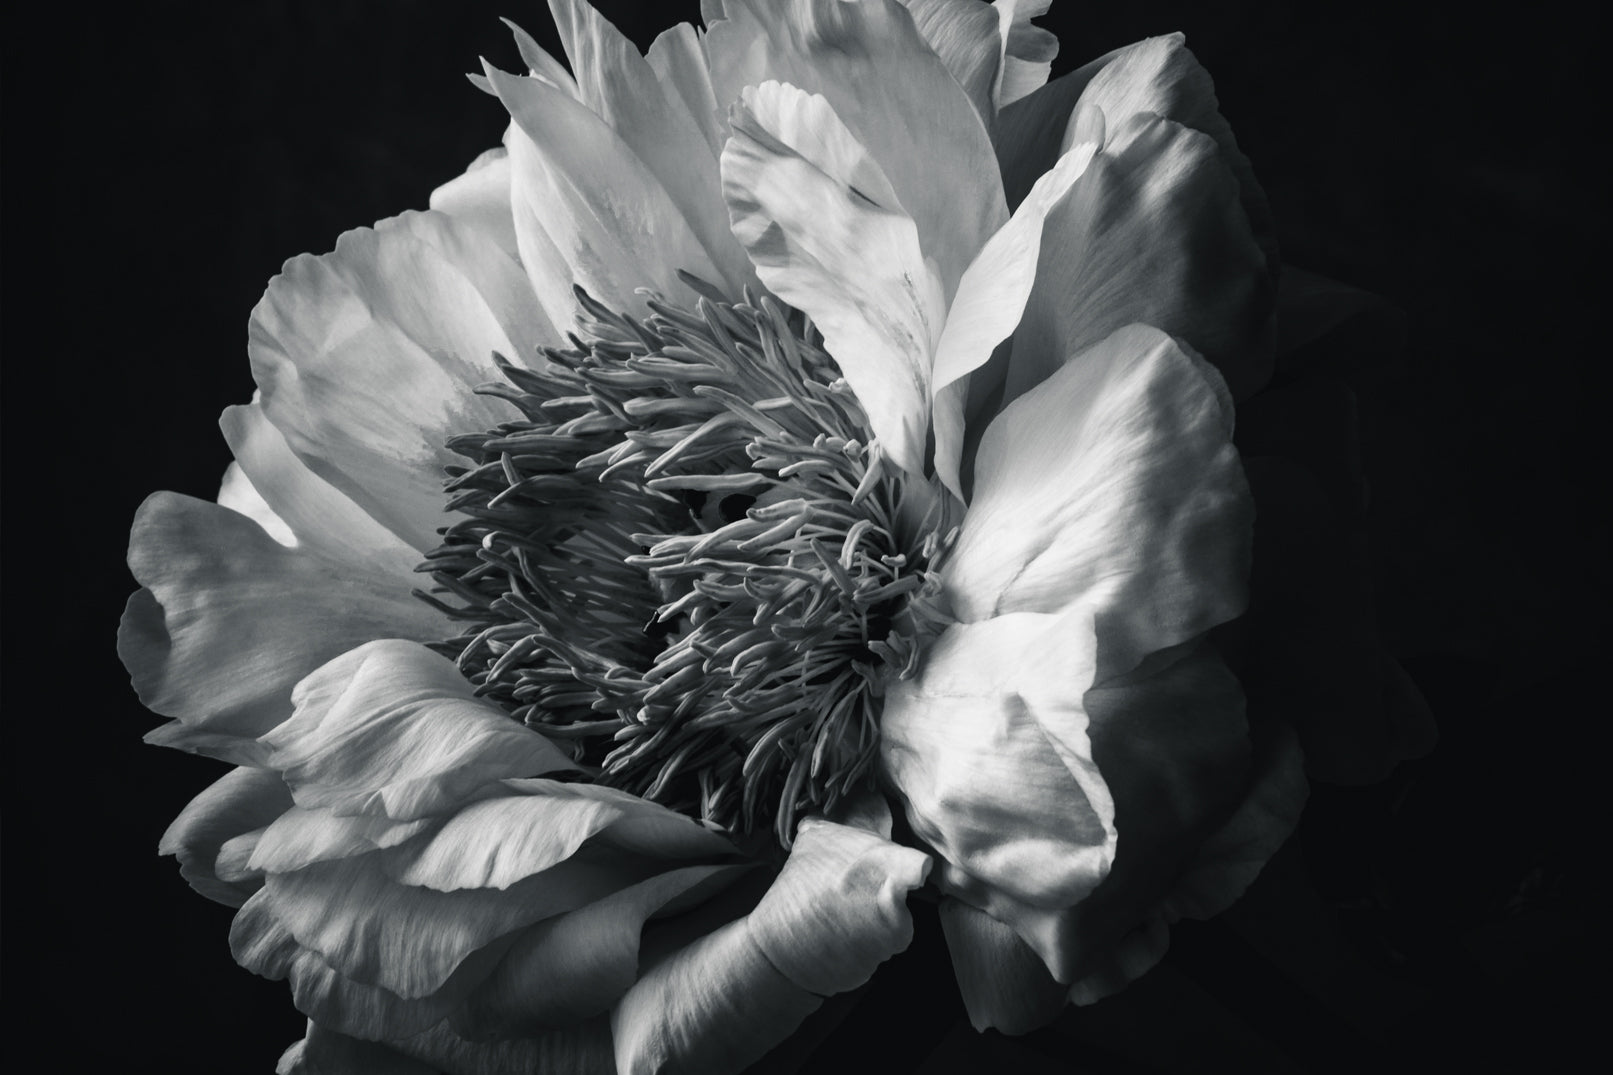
column 162, row 160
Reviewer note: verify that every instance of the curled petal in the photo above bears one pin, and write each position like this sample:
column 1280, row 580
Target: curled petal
column 391, row 728
column 836, row 911
column 230, row 620
column 1114, row 485
column 242, row 801
column 1028, row 51
column 237, row 493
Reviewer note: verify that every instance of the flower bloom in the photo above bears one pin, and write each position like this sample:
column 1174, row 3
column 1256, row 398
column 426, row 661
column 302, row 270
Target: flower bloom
column 836, row 420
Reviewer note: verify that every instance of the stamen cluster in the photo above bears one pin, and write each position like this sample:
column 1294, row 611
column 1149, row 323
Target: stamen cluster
column 689, row 562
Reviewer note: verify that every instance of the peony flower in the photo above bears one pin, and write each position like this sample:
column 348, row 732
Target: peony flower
column 792, row 474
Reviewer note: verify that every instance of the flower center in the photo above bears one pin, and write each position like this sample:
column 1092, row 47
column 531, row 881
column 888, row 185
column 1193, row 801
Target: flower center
column 689, row 563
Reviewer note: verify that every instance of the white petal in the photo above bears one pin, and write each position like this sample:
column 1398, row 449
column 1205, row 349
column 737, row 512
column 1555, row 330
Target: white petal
column 315, row 513
column 965, row 34
column 894, row 95
column 1154, row 235
column 823, row 228
column 1028, row 51
column 577, row 186
column 367, row 359
column 621, row 88
column 991, row 297
column 300, row 837
column 1114, row 484
column 230, row 620
column 988, row 747
column 479, row 199
column 678, row 57
column 242, row 800
column 835, row 912
column 392, row 728
column 325, row 1052
column 237, row 493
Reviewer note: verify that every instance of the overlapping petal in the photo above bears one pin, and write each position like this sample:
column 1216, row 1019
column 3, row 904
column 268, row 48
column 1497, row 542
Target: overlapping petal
column 242, row 801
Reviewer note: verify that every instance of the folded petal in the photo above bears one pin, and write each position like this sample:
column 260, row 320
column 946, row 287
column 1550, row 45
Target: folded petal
column 1005, row 985
column 836, row 911
column 237, row 493
column 622, row 88
column 367, row 359
column 894, row 95
column 595, row 950
column 1113, row 485
column 242, row 800
column 1153, row 234
column 1028, row 51
column 988, row 747
column 966, row 36
column 678, row 57
column 577, row 187
column 991, row 297
column 230, row 620
column 823, row 228
column 392, row 728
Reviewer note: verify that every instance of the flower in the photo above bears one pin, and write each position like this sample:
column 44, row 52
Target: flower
column 840, row 504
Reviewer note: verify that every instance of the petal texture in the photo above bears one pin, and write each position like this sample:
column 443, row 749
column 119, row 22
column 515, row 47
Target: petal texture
column 1114, row 485
column 241, row 801
column 230, row 620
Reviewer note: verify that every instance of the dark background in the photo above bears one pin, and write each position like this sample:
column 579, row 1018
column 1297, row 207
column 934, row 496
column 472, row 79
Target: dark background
column 161, row 161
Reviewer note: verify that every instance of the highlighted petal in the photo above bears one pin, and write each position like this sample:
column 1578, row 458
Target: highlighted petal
column 576, row 186
column 391, row 728
column 823, row 228
column 988, row 747
column 367, row 358
column 239, row 802
column 835, row 912
column 892, row 93
column 230, row 620
column 1113, row 485
column 1028, row 51
column 990, row 299
column 1154, row 235
column 620, row 87
column 237, row 493
column 678, row 57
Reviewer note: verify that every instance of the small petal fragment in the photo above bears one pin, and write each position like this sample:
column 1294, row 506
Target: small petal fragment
column 836, row 911
column 1113, row 485
column 1028, row 51
column 230, row 620
column 1005, row 985
column 823, row 228
column 237, row 493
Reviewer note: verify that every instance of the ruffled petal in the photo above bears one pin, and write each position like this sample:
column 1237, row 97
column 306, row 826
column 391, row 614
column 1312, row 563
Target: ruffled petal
column 1113, row 485
column 578, row 188
column 367, row 359
column 230, row 620
column 988, row 747
column 621, row 88
column 895, row 96
column 826, row 234
column 991, row 297
column 239, row 802
column 584, row 1049
column 391, row 728
column 1154, row 234
column 836, row 911
column 1005, row 985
